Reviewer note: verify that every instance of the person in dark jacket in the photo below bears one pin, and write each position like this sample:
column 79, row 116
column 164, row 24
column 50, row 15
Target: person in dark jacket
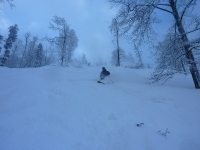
column 104, row 73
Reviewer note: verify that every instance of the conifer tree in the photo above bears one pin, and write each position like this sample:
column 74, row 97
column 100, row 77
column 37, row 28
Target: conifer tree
column 1, row 38
column 39, row 56
column 9, row 42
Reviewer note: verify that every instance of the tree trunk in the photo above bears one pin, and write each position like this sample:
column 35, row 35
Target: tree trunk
column 62, row 60
column 26, row 36
column 189, row 54
column 118, row 53
column 23, row 55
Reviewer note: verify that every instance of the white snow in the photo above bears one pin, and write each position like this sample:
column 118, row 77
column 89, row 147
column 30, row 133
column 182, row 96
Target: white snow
column 56, row 108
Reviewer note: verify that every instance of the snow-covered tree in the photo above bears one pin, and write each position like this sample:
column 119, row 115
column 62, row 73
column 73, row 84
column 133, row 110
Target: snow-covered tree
column 100, row 62
column 135, row 19
column 72, row 44
column 84, row 59
column 30, row 53
column 67, row 40
column 195, row 47
column 170, row 58
column 9, row 42
column 15, row 54
column 49, row 55
column 27, row 36
column 138, row 53
column 116, row 54
column 39, row 55
column 130, row 60
column 1, row 39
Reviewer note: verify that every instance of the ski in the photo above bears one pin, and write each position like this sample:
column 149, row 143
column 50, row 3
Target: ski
column 100, row 82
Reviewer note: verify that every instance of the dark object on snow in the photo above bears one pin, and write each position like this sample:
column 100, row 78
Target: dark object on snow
column 104, row 73
column 139, row 125
column 164, row 133
column 100, row 82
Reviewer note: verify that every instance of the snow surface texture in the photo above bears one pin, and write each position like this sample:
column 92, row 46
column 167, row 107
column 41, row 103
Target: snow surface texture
column 55, row 108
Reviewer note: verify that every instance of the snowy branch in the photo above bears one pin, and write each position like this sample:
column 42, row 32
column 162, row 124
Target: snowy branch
column 184, row 10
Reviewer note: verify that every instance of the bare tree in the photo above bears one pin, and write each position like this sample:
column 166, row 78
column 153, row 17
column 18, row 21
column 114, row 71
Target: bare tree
column 67, row 40
column 27, row 35
column 116, row 54
column 130, row 60
column 114, row 28
column 15, row 54
column 170, row 58
column 140, row 63
column 49, row 56
column 84, row 59
column 30, row 53
column 136, row 17
column 72, row 44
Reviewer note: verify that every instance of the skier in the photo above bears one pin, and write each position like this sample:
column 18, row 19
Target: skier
column 104, row 73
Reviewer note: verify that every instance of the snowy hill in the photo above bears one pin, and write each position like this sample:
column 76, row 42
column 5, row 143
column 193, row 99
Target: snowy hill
column 56, row 108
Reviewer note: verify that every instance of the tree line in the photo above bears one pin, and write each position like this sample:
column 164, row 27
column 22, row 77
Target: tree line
column 31, row 52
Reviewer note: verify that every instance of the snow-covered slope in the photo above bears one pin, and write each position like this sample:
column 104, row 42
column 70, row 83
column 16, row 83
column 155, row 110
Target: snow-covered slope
column 56, row 108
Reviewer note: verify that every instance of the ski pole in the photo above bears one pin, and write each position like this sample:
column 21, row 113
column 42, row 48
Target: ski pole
column 111, row 79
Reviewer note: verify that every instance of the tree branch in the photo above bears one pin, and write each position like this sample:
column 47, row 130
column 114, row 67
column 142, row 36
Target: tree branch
column 184, row 10
column 192, row 30
column 51, row 40
column 9, row 2
column 150, row 4
column 162, row 8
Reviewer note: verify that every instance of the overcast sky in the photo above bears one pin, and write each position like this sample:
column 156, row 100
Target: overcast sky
column 89, row 18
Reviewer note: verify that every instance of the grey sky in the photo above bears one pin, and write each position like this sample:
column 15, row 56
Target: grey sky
column 89, row 18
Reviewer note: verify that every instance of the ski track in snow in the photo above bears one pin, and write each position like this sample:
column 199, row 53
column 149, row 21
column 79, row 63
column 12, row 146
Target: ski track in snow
column 65, row 108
